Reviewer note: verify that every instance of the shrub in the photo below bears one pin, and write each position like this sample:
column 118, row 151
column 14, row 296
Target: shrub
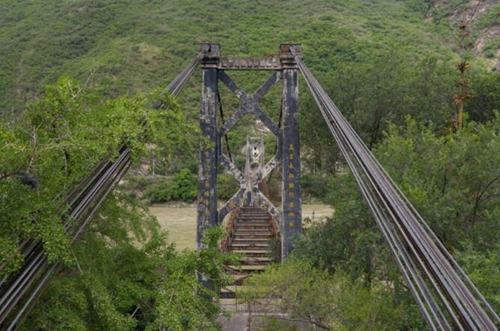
column 227, row 187
column 181, row 187
column 316, row 185
column 185, row 183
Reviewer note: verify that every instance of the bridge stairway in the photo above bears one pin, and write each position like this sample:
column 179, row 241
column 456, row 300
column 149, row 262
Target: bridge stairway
column 252, row 234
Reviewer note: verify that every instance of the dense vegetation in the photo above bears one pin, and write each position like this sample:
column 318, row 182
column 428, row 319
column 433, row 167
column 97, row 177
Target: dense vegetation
column 123, row 274
column 390, row 65
column 452, row 180
column 131, row 46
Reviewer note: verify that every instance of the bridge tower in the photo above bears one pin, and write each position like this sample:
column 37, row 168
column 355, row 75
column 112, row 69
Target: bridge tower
column 285, row 69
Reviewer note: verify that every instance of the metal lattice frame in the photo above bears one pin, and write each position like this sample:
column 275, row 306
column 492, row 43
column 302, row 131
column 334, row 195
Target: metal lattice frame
column 287, row 154
column 249, row 104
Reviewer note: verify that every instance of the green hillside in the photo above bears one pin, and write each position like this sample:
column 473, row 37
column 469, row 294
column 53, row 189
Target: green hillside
column 129, row 46
column 379, row 60
column 401, row 71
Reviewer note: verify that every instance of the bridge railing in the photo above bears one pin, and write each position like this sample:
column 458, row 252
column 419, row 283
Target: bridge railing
column 226, row 243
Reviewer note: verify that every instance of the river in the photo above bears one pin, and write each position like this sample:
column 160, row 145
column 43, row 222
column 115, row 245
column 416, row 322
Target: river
column 180, row 222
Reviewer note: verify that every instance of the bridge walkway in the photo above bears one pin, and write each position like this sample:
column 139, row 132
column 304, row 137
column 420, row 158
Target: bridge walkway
column 252, row 233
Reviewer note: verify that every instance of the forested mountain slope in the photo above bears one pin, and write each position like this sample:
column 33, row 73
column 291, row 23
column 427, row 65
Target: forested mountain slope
column 381, row 61
column 129, row 46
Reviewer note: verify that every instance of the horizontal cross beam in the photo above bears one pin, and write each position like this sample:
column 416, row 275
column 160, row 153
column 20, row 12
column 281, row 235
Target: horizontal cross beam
column 251, row 63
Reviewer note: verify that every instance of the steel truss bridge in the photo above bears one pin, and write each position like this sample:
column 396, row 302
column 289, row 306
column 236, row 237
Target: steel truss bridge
column 447, row 298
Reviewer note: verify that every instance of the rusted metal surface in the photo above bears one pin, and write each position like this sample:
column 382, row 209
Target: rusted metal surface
column 232, row 204
column 264, row 203
column 253, row 236
column 225, row 245
column 286, row 49
column 212, row 51
column 271, row 164
column 270, row 62
column 249, row 194
column 231, row 169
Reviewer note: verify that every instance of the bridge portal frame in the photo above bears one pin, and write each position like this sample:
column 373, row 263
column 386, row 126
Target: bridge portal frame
column 288, row 153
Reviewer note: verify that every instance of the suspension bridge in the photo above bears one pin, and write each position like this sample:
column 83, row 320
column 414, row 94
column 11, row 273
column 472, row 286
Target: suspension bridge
column 445, row 295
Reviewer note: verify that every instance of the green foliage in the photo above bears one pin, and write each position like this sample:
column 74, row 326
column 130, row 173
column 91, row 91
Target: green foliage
column 179, row 307
column 122, row 272
column 274, row 324
column 187, row 183
column 58, row 142
column 329, row 302
column 227, row 186
column 490, row 18
column 424, row 7
column 387, row 87
column 379, row 60
column 136, row 183
column 452, row 179
column 160, row 191
column 316, row 185
column 353, row 240
column 483, row 268
column 127, row 46
column 129, row 278
column 181, row 187
column 491, row 48
column 485, row 97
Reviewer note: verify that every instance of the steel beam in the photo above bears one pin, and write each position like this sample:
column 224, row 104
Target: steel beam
column 252, row 63
column 207, row 173
column 288, row 153
column 291, row 193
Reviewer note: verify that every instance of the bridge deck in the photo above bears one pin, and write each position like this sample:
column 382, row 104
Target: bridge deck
column 251, row 234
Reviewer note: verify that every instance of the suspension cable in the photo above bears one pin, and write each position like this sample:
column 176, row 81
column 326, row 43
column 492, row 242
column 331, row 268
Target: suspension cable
column 440, row 287
column 84, row 203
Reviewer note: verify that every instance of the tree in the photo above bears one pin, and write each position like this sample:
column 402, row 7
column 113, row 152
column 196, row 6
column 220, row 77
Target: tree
column 452, row 180
column 122, row 275
column 311, row 295
column 383, row 88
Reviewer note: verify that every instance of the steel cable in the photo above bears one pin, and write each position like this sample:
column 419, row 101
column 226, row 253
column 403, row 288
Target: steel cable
column 392, row 240
column 428, row 257
column 84, row 202
column 405, row 237
column 416, row 240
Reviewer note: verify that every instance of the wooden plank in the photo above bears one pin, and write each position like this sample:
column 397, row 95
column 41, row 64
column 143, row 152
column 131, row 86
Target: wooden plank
column 247, row 267
column 249, row 251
